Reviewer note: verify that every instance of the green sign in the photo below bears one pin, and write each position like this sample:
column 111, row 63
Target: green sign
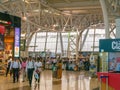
column 109, row 45
column 22, row 45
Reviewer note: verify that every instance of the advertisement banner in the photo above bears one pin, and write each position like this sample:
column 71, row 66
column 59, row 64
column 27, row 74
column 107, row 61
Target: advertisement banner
column 17, row 42
column 114, row 61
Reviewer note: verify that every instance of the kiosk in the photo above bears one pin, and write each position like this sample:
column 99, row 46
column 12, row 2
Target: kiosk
column 110, row 64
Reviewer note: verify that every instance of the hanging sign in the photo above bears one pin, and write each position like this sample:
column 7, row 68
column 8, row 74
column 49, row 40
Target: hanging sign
column 17, row 42
column 109, row 45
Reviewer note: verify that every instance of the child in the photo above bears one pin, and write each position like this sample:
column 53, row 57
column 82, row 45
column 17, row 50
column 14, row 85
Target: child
column 37, row 74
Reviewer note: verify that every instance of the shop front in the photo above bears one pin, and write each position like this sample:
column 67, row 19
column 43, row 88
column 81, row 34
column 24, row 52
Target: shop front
column 10, row 30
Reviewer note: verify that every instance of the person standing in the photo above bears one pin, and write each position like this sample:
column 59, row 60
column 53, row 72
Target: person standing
column 59, row 69
column 30, row 69
column 15, row 66
column 8, row 66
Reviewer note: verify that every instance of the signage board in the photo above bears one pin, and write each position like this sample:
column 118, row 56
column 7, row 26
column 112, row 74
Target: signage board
column 22, row 44
column 109, row 45
column 11, row 20
column 17, row 42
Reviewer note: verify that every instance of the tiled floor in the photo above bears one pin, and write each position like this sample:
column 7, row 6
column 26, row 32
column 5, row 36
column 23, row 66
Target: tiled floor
column 70, row 81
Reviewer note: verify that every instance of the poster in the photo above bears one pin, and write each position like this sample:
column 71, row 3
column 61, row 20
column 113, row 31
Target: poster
column 114, row 61
column 17, row 43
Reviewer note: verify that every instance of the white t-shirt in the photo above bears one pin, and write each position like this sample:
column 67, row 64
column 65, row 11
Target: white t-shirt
column 38, row 65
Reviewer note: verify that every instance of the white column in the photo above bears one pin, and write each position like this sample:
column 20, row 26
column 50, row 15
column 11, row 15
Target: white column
column 61, row 42
column 56, row 44
column 106, row 21
column 35, row 44
column 117, row 21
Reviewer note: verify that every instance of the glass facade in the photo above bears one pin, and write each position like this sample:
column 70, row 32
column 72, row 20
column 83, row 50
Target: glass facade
column 52, row 40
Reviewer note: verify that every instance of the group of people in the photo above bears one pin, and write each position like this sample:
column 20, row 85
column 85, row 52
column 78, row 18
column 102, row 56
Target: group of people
column 81, row 64
column 29, row 66
column 26, row 67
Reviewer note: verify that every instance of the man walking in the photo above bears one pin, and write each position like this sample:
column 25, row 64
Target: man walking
column 30, row 69
column 15, row 66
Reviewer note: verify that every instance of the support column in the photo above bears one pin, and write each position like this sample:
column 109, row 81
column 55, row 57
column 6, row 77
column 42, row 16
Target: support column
column 84, row 39
column 46, row 41
column 28, row 40
column 77, row 45
column 35, row 43
column 68, row 49
column 45, row 50
column 106, row 21
column 117, row 21
column 61, row 42
column 94, row 38
column 56, row 44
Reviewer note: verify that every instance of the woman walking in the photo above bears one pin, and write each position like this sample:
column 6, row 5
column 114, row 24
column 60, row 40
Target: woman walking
column 59, row 70
column 38, row 69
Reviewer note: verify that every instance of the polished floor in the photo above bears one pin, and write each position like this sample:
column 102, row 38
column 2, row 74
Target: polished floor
column 70, row 81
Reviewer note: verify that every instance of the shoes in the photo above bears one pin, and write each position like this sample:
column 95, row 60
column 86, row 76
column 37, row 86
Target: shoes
column 13, row 81
column 30, row 85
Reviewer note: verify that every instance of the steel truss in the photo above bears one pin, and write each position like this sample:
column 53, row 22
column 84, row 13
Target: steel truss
column 38, row 16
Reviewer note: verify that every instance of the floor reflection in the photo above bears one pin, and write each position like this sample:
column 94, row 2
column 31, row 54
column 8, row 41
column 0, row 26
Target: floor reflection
column 70, row 81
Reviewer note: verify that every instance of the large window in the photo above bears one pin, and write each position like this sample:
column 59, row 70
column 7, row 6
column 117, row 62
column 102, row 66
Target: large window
column 52, row 39
column 88, row 45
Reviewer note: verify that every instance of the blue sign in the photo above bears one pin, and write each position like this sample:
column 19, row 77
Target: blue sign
column 109, row 45
column 17, row 42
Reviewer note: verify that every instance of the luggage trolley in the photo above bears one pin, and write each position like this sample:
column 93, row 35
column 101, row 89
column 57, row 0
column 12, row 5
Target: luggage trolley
column 101, row 77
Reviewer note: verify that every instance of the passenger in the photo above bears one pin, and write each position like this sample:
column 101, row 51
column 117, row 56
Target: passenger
column 8, row 66
column 15, row 66
column 75, row 66
column 64, row 64
column 30, row 69
column 59, row 70
column 67, row 64
column 23, row 69
column 80, row 65
column 87, row 64
column 38, row 70
column 54, row 70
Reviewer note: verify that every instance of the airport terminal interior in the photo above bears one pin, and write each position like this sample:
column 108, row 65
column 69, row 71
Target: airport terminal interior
column 59, row 44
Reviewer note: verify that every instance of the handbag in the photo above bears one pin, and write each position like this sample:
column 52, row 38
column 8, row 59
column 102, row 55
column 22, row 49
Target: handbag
column 38, row 70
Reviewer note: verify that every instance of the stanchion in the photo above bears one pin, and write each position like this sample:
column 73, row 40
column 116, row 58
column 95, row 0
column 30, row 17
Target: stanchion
column 106, row 77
